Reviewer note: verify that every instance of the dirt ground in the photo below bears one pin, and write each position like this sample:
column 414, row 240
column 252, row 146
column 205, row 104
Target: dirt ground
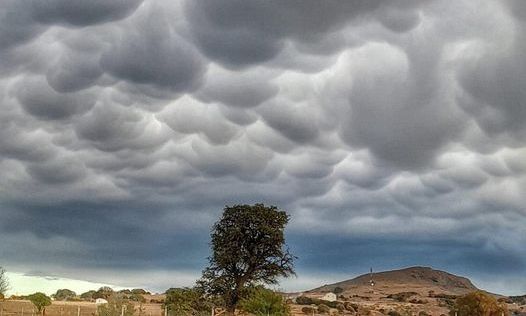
column 26, row 308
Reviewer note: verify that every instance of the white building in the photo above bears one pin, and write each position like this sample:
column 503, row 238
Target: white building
column 331, row 297
column 100, row 301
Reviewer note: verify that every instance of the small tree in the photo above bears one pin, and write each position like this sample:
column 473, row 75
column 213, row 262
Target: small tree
column 264, row 302
column 4, row 282
column 87, row 296
column 40, row 300
column 64, row 295
column 104, row 292
column 478, row 303
column 248, row 248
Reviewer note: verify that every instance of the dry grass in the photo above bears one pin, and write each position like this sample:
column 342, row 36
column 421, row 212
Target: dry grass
column 26, row 308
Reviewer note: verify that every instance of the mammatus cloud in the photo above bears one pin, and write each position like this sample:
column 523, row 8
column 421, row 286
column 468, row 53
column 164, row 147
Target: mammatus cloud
column 391, row 131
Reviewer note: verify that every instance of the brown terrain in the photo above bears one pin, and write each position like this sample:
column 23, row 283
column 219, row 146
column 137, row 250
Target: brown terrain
column 407, row 291
column 410, row 291
column 59, row 308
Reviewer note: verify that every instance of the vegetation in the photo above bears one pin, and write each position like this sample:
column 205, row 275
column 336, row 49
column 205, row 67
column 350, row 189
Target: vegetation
column 116, row 307
column 478, row 303
column 402, row 296
column 248, row 248
column 104, row 292
column 519, row 300
column 87, row 296
column 4, row 282
column 305, row 300
column 186, row 302
column 337, row 290
column 324, row 309
column 40, row 300
column 64, row 295
column 263, row 302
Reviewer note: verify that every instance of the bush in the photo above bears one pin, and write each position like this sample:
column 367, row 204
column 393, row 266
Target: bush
column 308, row 310
column 304, row 300
column 324, row 309
column 337, row 290
column 422, row 313
column 478, row 303
column 351, row 307
column 263, row 302
column 402, row 296
column 186, row 301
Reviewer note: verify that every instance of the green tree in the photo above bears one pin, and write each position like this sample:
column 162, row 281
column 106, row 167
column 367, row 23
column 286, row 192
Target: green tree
column 248, row 248
column 478, row 303
column 104, row 292
column 87, row 296
column 186, row 302
column 40, row 300
column 64, row 295
column 4, row 282
column 264, row 302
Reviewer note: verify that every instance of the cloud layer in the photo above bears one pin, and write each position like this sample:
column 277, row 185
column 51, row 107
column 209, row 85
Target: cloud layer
column 391, row 131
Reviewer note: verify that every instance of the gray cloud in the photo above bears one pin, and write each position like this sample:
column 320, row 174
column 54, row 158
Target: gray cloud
column 126, row 126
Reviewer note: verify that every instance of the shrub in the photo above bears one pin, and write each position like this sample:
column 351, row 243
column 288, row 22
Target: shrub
column 337, row 290
column 186, row 301
column 478, row 303
column 402, row 296
column 304, row 300
column 422, row 313
column 308, row 310
column 324, row 309
column 263, row 302
column 351, row 307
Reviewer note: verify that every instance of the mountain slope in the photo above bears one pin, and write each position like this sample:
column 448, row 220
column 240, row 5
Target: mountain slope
column 416, row 279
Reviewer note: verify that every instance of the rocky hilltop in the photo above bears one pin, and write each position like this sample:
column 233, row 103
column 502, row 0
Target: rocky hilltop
column 421, row 280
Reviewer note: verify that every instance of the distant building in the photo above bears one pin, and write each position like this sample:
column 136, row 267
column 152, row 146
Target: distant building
column 331, row 297
column 100, row 301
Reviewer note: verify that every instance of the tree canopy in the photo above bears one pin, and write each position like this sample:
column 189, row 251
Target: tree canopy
column 64, row 295
column 248, row 248
column 40, row 300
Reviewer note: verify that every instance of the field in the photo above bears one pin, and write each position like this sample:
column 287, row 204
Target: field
column 25, row 308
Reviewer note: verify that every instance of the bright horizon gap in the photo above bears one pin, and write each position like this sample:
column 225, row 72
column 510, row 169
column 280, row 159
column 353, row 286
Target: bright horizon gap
column 24, row 284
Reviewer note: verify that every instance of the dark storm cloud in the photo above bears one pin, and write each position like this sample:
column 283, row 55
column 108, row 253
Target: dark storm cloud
column 241, row 33
column 391, row 131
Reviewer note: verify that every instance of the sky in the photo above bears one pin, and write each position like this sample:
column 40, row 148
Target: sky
column 392, row 132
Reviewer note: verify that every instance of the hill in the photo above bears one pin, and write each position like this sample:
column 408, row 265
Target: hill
column 421, row 280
